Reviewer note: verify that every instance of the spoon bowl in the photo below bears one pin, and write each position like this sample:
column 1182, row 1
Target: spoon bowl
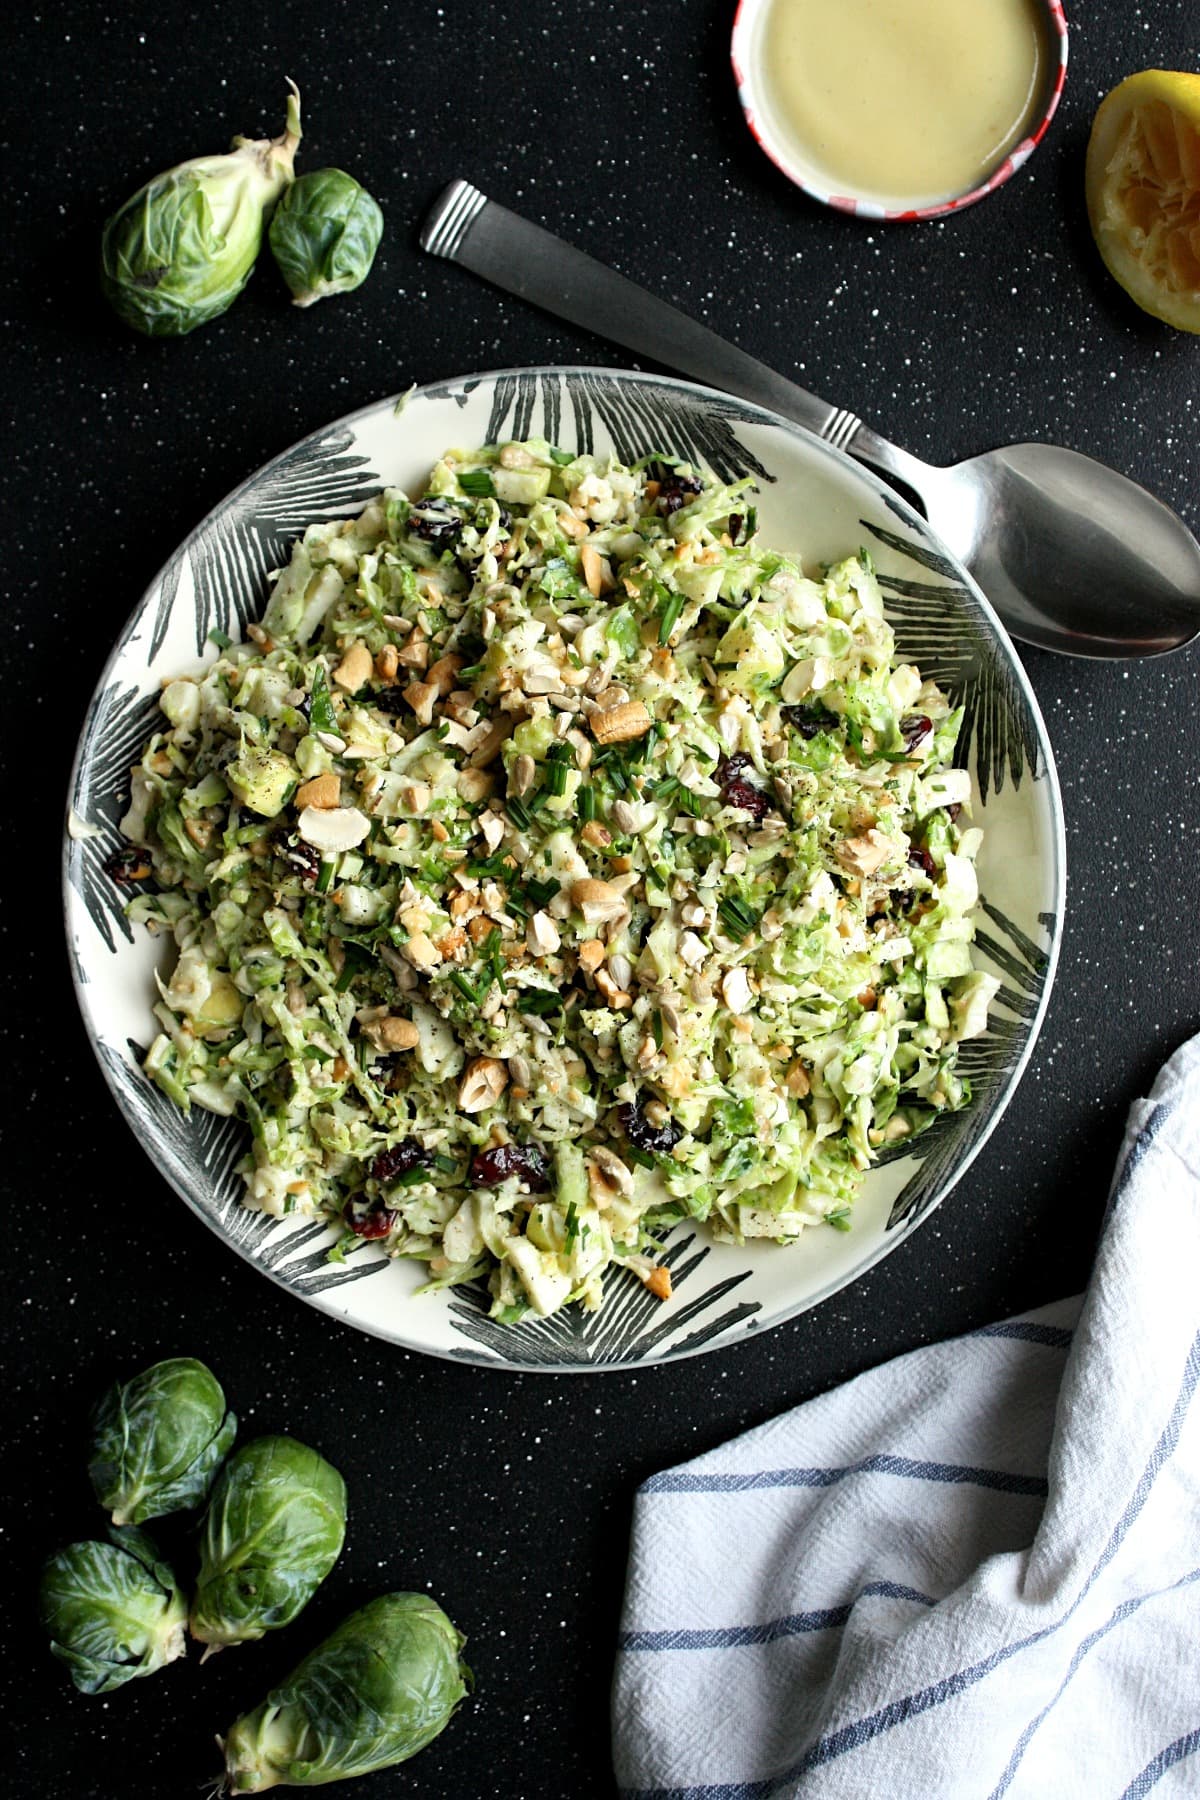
column 1074, row 557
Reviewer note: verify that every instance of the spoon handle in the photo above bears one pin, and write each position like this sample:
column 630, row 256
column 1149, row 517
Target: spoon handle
column 468, row 228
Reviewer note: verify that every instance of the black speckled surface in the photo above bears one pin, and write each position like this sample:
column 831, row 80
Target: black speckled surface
column 618, row 127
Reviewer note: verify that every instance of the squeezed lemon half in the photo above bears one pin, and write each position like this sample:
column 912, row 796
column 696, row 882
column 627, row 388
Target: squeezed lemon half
column 1143, row 191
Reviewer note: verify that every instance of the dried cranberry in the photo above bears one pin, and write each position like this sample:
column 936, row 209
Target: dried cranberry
column 400, row 1159
column 301, row 857
column 391, row 1071
column 390, row 701
column 654, row 1140
column 677, row 492
column 737, row 791
column 128, row 866
column 952, row 812
column 490, row 1167
column 368, row 1218
column 919, row 858
column 436, row 521
column 809, row 721
column 914, row 727
column 675, row 488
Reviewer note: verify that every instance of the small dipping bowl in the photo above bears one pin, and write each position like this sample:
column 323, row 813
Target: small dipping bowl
column 790, row 148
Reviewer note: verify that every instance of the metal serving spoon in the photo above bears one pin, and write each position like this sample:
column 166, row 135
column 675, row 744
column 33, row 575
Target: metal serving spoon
column 1073, row 556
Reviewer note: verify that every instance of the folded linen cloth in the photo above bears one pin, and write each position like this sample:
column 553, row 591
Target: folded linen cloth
column 972, row 1572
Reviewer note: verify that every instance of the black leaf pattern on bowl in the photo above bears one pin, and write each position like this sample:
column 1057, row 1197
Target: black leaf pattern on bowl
column 631, row 1326
column 997, row 726
column 638, row 418
column 168, row 593
column 241, row 544
column 118, row 724
column 203, row 1153
column 986, row 1062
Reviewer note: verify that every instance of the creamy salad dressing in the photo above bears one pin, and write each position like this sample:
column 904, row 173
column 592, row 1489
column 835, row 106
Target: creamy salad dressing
column 909, row 100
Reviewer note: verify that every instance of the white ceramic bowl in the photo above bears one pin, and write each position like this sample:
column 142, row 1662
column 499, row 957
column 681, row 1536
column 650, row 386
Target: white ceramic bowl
column 813, row 501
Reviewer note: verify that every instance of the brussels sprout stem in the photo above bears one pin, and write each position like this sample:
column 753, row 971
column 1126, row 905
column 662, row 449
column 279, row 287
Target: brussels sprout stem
column 277, row 154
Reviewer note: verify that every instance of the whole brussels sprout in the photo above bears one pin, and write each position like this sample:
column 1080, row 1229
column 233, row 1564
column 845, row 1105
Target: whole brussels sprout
column 379, row 1689
column 158, row 1440
column 181, row 250
column 324, row 234
column 113, row 1610
column 274, row 1528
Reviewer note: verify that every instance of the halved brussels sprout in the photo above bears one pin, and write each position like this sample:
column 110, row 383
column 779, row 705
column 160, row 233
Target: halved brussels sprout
column 324, row 234
column 273, row 1530
column 158, row 1440
column 181, row 250
column 113, row 1610
column 380, row 1688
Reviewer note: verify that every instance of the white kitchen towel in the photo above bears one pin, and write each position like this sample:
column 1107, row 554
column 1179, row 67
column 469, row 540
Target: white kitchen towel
column 973, row 1572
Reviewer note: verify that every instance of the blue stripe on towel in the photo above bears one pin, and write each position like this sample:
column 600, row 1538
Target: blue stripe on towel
column 1160, row 1115
column 862, row 1731
column 685, row 1481
column 1166, row 1759
column 771, row 1630
column 1057, row 1336
column 1126, row 1609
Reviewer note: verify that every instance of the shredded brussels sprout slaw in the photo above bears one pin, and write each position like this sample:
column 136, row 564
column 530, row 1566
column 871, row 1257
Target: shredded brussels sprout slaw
column 555, row 863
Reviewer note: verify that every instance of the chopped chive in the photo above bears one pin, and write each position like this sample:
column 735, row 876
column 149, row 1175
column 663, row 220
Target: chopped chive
column 639, row 750
column 356, row 960
column 325, row 876
column 411, row 1177
column 562, row 457
column 488, row 868
column 478, row 483
column 519, row 813
column 472, row 673
column 541, row 892
column 447, row 1164
column 466, row 987
column 321, row 715
column 220, row 638
column 839, row 1218
column 670, row 617
column 738, row 918
column 586, row 798
column 556, row 778
column 538, row 1001
column 572, row 1223
column 492, row 951
column 658, row 1030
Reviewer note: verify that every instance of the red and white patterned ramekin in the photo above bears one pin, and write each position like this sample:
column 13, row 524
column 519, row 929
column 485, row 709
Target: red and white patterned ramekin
column 747, row 73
